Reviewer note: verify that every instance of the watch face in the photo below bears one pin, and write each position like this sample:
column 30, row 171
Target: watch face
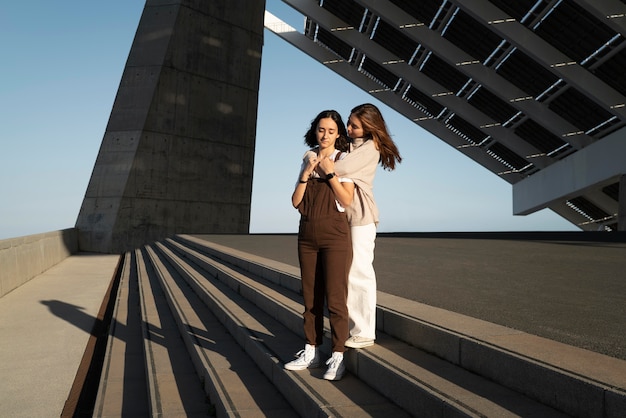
column 330, row 176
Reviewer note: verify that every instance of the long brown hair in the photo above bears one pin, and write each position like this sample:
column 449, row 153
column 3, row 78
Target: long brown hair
column 375, row 128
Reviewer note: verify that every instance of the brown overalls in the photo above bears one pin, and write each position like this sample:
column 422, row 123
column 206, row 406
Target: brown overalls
column 325, row 253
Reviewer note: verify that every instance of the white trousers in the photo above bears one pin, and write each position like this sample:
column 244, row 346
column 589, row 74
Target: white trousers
column 362, row 283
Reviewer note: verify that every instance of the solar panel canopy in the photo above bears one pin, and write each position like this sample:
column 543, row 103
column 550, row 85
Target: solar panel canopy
column 534, row 91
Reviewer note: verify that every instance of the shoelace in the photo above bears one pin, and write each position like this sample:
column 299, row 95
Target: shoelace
column 302, row 354
column 332, row 362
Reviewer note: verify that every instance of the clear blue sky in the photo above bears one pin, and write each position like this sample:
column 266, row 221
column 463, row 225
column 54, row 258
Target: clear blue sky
column 62, row 64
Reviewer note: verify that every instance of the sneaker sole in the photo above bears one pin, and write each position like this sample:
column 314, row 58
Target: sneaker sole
column 298, row 368
column 335, row 377
column 359, row 345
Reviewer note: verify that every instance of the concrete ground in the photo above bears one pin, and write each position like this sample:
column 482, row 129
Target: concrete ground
column 45, row 325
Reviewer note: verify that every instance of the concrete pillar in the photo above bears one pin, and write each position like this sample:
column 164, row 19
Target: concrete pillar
column 621, row 205
column 178, row 151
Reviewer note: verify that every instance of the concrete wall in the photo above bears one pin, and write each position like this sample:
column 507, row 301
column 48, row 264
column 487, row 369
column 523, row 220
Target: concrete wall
column 178, row 151
column 23, row 258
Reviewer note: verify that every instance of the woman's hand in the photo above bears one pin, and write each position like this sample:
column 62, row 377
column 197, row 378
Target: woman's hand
column 305, row 174
column 326, row 165
column 311, row 165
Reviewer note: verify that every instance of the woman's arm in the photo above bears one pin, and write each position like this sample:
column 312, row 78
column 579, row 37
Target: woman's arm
column 305, row 173
column 343, row 190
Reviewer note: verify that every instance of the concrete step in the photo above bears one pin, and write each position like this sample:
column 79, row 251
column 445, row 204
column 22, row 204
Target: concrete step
column 147, row 371
column 518, row 373
column 174, row 388
column 165, row 348
column 420, row 383
column 269, row 344
column 235, row 386
column 221, row 322
column 123, row 389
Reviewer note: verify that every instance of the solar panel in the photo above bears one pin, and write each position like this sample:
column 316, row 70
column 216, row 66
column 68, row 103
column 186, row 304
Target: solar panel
column 492, row 105
column 579, row 110
column 539, row 137
column 443, row 73
column 424, row 11
column 542, row 104
column 348, row 11
column 588, row 208
column 424, row 102
column 394, row 41
column 380, row 73
column 516, row 9
column 471, row 36
column 508, row 157
column 612, row 191
column 526, row 74
column 336, row 45
column 466, row 130
column 612, row 71
column 562, row 28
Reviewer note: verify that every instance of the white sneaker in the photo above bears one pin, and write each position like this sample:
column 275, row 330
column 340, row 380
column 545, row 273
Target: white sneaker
column 358, row 342
column 309, row 358
column 336, row 368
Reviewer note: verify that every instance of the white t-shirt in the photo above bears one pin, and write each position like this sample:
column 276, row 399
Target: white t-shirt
column 316, row 175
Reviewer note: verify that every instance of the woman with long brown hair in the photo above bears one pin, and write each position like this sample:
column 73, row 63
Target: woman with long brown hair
column 371, row 144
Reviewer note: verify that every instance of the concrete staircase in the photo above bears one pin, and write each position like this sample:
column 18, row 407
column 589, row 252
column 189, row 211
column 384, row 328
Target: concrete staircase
column 200, row 329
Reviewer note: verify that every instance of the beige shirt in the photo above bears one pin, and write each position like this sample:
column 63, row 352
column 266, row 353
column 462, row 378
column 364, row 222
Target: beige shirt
column 360, row 165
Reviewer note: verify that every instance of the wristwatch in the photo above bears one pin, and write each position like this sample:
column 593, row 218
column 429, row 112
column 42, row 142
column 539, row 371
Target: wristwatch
column 330, row 176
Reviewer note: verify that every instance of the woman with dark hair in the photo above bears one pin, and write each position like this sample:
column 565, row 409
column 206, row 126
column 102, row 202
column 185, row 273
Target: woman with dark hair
column 370, row 145
column 324, row 243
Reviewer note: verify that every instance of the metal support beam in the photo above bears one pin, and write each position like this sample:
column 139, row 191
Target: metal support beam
column 600, row 163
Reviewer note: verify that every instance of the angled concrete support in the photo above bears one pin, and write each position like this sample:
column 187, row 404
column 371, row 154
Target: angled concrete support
column 178, row 151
